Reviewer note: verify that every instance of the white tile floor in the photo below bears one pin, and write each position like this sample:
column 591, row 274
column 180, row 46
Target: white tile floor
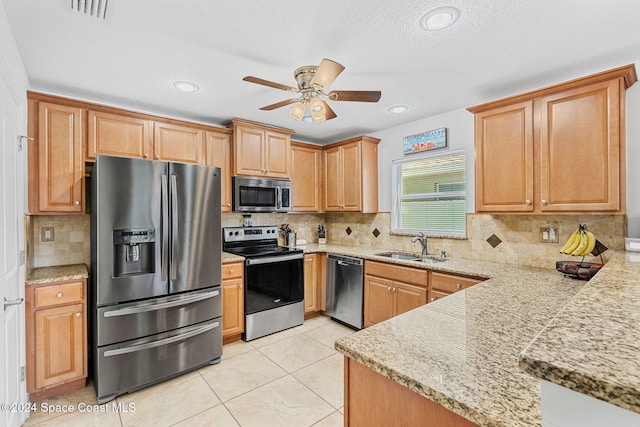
column 292, row 378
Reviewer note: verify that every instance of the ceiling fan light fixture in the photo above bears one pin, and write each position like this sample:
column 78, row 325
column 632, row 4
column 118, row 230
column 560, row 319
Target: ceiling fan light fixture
column 298, row 110
column 439, row 18
column 317, row 110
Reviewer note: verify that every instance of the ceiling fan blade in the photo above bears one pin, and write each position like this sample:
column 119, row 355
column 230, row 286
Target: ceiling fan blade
column 279, row 104
column 355, row 95
column 263, row 82
column 327, row 72
column 328, row 112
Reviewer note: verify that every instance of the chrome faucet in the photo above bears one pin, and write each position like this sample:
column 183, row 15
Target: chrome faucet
column 422, row 238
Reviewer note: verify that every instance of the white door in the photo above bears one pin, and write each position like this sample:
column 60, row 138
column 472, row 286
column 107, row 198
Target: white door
column 12, row 202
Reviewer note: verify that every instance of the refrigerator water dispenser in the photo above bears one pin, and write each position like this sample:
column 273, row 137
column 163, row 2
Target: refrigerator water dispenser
column 133, row 251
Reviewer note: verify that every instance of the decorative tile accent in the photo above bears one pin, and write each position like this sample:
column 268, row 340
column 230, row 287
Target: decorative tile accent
column 494, row 240
column 348, row 231
column 376, row 232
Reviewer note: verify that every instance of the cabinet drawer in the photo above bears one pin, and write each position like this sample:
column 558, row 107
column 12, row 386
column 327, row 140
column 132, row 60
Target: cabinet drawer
column 436, row 295
column 398, row 273
column 63, row 293
column 232, row 270
column 450, row 283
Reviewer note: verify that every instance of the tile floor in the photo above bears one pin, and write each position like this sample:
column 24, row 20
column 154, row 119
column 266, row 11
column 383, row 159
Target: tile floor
column 292, row 378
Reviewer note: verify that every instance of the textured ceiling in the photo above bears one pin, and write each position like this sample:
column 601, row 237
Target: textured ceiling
column 496, row 48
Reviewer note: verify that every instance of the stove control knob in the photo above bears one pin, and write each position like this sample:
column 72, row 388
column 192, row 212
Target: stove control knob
column 237, row 233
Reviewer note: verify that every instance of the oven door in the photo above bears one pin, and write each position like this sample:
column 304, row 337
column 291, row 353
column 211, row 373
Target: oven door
column 273, row 281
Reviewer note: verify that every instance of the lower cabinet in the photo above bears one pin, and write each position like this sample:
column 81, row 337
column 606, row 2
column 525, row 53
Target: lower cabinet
column 232, row 300
column 314, row 283
column 56, row 321
column 372, row 399
column 445, row 284
column 390, row 290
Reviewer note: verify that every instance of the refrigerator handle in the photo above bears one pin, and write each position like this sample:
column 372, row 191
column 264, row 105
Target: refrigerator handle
column 165, row 228
column 174, row 227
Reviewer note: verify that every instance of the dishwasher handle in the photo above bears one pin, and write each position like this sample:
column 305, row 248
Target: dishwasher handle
column 345, row 261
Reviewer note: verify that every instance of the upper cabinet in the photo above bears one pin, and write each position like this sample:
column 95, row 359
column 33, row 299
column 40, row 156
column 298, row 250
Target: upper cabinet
column 177, row 143
column 306, row 177
column 351, row 175
column 261, row 150
column 558, row 149
column 56, row 183
column 67, row 133
column 218, row 150
column 132, row 136
column 118, row 135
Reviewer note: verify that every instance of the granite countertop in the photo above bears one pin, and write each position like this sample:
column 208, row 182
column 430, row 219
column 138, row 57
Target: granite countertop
column 60, row 273
column 465, row 357
column 469, row 356
column 592, row 345
column 229, row 257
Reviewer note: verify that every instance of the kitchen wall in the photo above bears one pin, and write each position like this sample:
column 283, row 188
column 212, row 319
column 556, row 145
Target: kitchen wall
column 519, row 235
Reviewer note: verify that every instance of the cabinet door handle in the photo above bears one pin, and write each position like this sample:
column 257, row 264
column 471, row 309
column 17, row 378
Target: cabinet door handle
column 145, row 156
column 458, row 285
column 433, row 299
column 528, row 202
column 544, row 202
column 388, row 288
column 77, row 202
column 78, row 314
column 59, row 295
column 157, row 156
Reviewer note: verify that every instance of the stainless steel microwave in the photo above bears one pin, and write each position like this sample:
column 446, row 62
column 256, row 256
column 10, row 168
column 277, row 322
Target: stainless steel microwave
column 261, row 194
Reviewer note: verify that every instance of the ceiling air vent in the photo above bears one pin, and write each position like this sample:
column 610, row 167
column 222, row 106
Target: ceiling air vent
column 100, row 9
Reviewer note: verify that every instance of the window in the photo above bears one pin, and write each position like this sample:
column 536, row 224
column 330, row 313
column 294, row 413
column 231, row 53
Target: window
column 429, row 194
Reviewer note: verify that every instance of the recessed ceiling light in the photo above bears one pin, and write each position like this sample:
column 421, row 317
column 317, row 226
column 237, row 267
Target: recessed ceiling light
column 186, row 86
column 398, row 108
column 440, row 18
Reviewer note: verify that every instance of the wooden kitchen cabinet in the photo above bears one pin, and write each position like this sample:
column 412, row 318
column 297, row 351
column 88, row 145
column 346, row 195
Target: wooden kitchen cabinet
column 118, row 135
column 261, row 150
column 351, row 175
column 504, row 158
column 443, row 284
column 56, row 323
column 558, row 149
column 177, row 143
column 232, row 301
column 218, row 153
column 390, row 290
column 372, row 399
column 314, row 283
column 56, row 164
column 306, row 178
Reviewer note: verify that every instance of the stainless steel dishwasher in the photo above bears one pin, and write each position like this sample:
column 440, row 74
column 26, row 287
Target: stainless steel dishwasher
column 345, row 289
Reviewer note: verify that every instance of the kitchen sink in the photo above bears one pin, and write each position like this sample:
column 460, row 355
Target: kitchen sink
column 411, row 257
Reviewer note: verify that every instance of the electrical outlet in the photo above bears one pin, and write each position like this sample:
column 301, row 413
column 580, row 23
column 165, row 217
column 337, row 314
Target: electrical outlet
column 549, row 234
column 47, row 234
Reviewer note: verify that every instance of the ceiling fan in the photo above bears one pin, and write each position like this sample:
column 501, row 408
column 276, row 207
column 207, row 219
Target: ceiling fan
column 313, row 82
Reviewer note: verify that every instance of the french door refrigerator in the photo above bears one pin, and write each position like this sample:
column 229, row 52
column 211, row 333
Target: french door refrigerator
column 155, row 272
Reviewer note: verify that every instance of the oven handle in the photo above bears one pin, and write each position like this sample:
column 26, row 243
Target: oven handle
column 153, row 307
column 159, row 343
column 272, row 259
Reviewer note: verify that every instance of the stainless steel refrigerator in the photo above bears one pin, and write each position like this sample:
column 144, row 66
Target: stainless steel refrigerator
column 155, row 292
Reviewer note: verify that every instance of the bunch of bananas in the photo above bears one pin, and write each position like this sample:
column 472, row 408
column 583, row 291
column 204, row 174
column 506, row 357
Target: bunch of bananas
column 580, row 243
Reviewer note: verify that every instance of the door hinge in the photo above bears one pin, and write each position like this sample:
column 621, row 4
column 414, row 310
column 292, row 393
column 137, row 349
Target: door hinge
column 23, row 375
column 21, row 139
column 21, row 257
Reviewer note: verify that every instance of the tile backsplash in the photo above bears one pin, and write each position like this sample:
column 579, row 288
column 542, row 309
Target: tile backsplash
column 519, row 235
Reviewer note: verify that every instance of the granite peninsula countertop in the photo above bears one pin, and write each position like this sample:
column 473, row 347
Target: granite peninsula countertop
column 592, row 345
column 483, row 350
column 59, row 273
